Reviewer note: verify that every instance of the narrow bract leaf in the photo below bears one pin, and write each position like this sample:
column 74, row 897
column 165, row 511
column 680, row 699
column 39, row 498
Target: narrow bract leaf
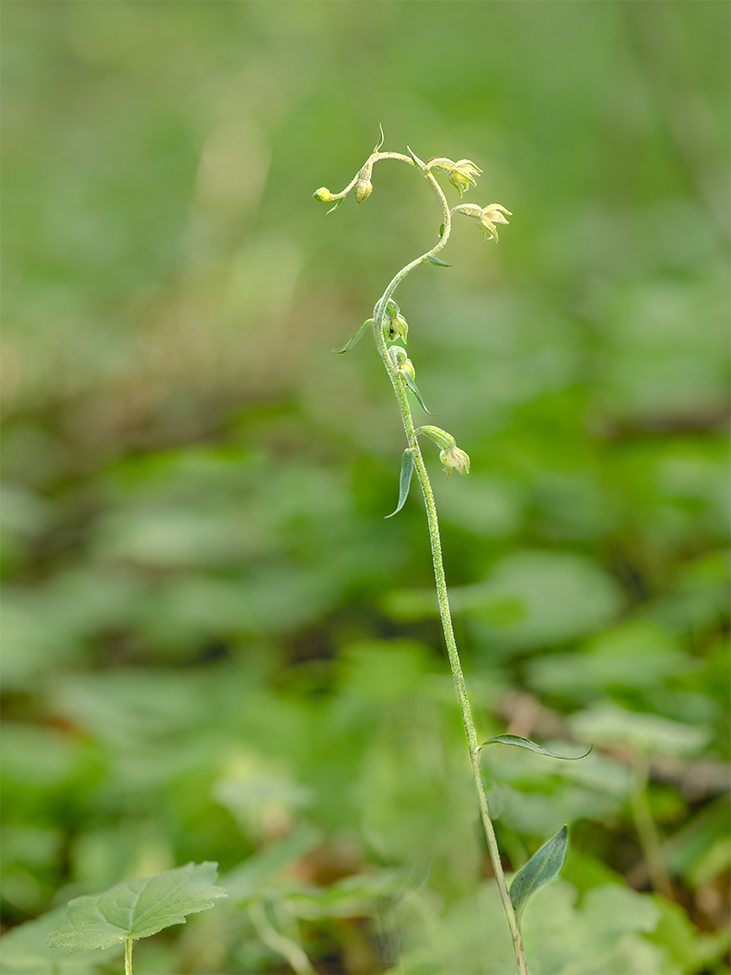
column 337, row 204
column 441, row 229
column 138, row 908
column 381, row 140
column 531, row 746
column 435, row 260
column 543, row 866
column 415, row 390
column 419, row 163
column 407, row 469
column 355, row 337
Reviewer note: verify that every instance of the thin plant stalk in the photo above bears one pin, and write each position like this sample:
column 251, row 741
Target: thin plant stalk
column 645, row 824
column 440, row 580
column 128, row 956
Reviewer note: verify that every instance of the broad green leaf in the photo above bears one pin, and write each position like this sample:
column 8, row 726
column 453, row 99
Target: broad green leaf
column 24, row 951
column 531, row 746
column 138, row 908
column 337, row 204
column 415, row 390
column 356, row 337
column 407, row 469
column 544, row 865
column 435, row 260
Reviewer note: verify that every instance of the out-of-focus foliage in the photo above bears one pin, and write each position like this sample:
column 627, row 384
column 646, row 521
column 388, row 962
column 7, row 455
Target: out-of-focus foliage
column 215, row 647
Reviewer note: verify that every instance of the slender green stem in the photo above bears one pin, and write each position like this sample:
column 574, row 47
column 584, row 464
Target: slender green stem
column 128, row 956
column 441, row 584
column 645, row 824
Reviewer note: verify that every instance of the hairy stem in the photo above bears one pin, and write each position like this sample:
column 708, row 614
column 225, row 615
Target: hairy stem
column 441, row 584
column 128, row 956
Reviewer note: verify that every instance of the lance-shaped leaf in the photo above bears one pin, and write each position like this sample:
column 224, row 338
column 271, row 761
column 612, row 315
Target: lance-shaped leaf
column 407, row 469
column 415, row 390
column 543, row 866
column 435, row 260
column 420, row 164
column 531, row 746
column 138, row 908
column 355, row 337
column 337, row 204
column 381, row 140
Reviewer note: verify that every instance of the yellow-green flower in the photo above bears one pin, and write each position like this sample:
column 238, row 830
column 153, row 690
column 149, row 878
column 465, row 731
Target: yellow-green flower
column 463, row 175
column 490, row 215
column 453, row 458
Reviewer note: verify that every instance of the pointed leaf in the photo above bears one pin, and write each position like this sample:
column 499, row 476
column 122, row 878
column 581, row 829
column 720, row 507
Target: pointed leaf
column 441, row 229
column 337, row 204
column 435, row 260
column 543, row 866
column 531, row 746
column 415, row 390
column 407, row 469
column 355, row 337
column 381, row 140
column 418, row 162
column 138, row 908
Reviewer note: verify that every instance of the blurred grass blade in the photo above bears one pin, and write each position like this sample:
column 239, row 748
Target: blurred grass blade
column 407, row 469
column 355, row 338
column 415, row 390
column 435, row 260
column 531, row 746
column 543, row 866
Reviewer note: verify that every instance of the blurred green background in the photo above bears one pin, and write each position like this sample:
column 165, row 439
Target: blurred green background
column 215, row 648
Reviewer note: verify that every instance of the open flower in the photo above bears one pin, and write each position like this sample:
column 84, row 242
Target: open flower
column 461, row 173
column 453, row 458
column 490, row 215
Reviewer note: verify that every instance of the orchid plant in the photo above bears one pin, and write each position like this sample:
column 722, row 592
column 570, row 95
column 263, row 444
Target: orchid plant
column 390, row 330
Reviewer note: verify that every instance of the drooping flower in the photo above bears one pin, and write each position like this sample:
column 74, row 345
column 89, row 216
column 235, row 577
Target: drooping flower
column 453, row 458
column 463, row 175
column 492, row 214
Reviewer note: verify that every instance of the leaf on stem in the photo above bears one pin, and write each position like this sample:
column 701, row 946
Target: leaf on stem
column 418, row 162
column 355, row 337
column 138, row 908
column 531, row 746
column 543, row 866
column 441, row 229
column 337, row 204
column 407, row 469
column 435, row 260
column 415, row 390
column 381, row 140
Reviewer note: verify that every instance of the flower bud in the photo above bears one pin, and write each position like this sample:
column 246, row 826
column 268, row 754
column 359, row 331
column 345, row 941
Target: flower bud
column 363, row 189
column 323, row 195
column 403, row 365
column 454, row 459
